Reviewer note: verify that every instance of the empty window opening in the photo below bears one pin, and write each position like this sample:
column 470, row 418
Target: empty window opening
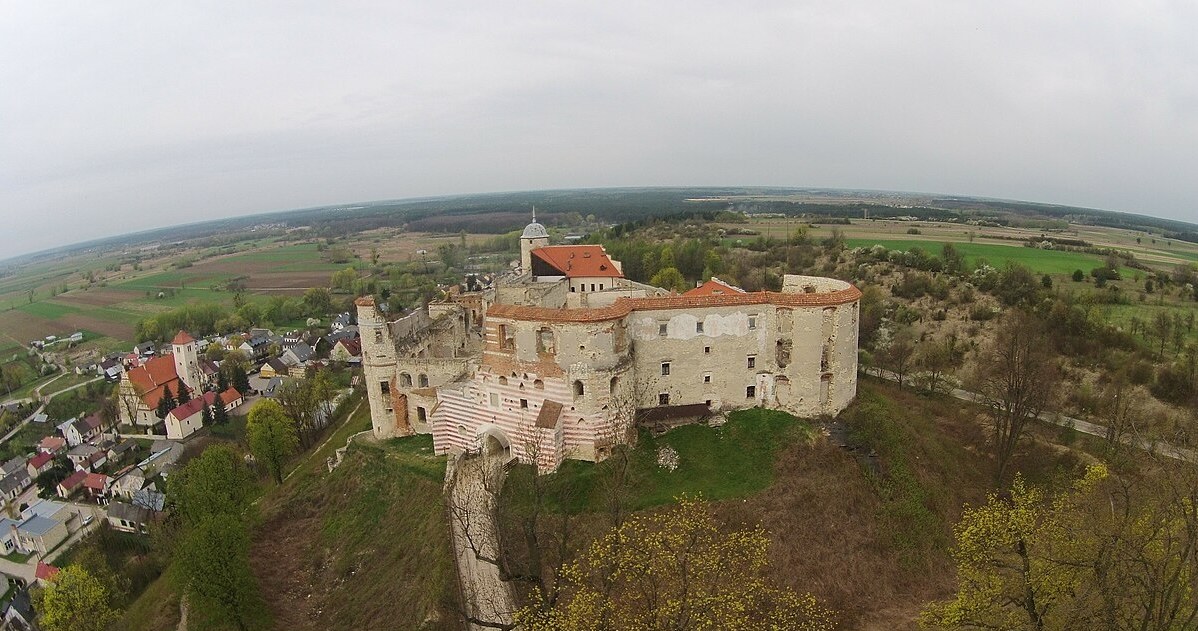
column 421, row 414
column 663, row 398
column 502, row 380
column 699, row 326
column 665, row 369
column 538, row 384
column 578, row 389
column 523, row 404
column 752, row 323
column 422, row 379
column 611, row 388
column 661, row 328
column 751, row 392
column 706, row 377
column 405, row 380
column 751, row 362
column 385, row 387
column 706, row 350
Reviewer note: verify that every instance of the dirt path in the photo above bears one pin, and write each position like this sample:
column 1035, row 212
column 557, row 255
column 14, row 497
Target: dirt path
column 474, row 483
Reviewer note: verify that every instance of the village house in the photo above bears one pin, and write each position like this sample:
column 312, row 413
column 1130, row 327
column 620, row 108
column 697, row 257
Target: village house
column 80, row 455
column 186, row 419
column 346, row 351
column 52, row 444
column 274, row 367
column 41, row 527
column 128, row 484
column 40, row 463
column 564, row 356
column 95, row 485
column 15, row 483
column 71, row 484
column 129, row 518
column 84, row 430
column 17, row 463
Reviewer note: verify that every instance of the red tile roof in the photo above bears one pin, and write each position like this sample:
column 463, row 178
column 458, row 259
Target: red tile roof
column 45, row 571
column 183, row 338
column 579, row 260
column 353, row 347
column 93, row 421
column 192, row 407
column 149, row 378
column 73, row 481
column 52, row 443
column 714, row 287
column 40, row 460
column 96, row 481
column 624, row 306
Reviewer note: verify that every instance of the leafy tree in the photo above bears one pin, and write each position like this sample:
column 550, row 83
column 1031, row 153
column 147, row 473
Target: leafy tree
column 212, row 567
column 343, row 281
column 236, row 368
column 75, row 600
column 1017, row 378
column 47, row 482
column 304, row 401
column 216, row 482
column 1078, row 276
column 318, row 301
column 675, row 569
column 272, row 436
column 1018, row 563
column 669, row 278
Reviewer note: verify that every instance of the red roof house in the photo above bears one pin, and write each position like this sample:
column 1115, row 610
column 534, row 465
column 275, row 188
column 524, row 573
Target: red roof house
column 574, row 261
column 96, row 484
column 714, row 287
column 39, row 464
column 45, row 571
column 71, row 484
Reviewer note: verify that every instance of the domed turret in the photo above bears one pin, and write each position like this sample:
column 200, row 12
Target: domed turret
column 534, row 236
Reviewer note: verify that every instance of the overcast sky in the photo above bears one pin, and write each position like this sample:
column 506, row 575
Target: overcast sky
column 120, row 116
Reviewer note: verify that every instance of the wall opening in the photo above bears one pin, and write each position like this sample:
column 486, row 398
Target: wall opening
column 422, row 379
column 405, row 380
column 578, row 389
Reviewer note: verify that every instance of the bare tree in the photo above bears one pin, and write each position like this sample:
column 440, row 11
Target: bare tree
column 1016, row 378
column 899, row 356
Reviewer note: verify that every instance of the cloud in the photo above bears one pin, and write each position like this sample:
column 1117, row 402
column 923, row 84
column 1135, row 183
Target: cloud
column 121, row 116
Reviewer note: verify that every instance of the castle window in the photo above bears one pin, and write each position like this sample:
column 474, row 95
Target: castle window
column 578, row 389
column 421, row 414
column 752, row 362
column 661, row 328
column 752, row 323
column 751, row 392
column 385, row 387
column 544, row 340
column 502, row 380
column 405, row 380
column 612, row 386
column 378, row 336
column 663, row 398
column 538, row 384
column 600, row 286
column 422, row 380
column 523, row 404
column 665, row 369
column 706, row 350
column 706, row 377
column 505, row 342
column 699, row 326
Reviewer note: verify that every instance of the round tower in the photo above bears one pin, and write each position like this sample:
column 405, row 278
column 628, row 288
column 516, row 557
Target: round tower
column 535, row 236
column 187, row 361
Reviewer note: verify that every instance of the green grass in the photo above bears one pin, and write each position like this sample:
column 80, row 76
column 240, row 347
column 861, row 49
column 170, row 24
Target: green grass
column 1121, row 315
column 68, row 380
column 156, row 609
column 733, row 460
column 27, row 389
column 46, row 309
column 1039, row 261
column 17, row 557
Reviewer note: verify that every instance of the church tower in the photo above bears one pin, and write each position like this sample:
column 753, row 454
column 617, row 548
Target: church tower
column 187, row 362
column 535, row 236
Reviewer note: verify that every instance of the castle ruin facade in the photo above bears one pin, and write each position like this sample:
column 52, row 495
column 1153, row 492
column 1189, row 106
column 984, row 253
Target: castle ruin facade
column 562, row 357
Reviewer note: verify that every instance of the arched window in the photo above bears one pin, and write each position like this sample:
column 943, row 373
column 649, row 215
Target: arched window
column 538, row 384
column 502, row 380
column 612, row 387
column 578, row 389
column 405, row 380
column 422, row 379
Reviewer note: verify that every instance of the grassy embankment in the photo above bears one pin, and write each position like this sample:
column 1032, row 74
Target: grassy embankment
column 364, row 547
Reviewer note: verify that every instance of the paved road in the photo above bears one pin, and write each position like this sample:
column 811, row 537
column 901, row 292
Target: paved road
column 472, row 492
column 1085, row 427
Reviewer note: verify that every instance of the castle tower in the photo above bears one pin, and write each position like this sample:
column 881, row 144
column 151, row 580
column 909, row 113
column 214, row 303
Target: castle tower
column 535, row 236
column 187, row 361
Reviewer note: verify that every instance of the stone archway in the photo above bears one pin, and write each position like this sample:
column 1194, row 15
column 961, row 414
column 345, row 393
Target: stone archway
column 491, row 440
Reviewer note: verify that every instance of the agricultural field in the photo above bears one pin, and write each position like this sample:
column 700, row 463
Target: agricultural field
column 106, row 295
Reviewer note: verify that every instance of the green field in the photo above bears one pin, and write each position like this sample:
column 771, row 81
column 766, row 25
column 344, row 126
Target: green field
column 1039, row 261
column 47, row 309
column 1146, row 312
